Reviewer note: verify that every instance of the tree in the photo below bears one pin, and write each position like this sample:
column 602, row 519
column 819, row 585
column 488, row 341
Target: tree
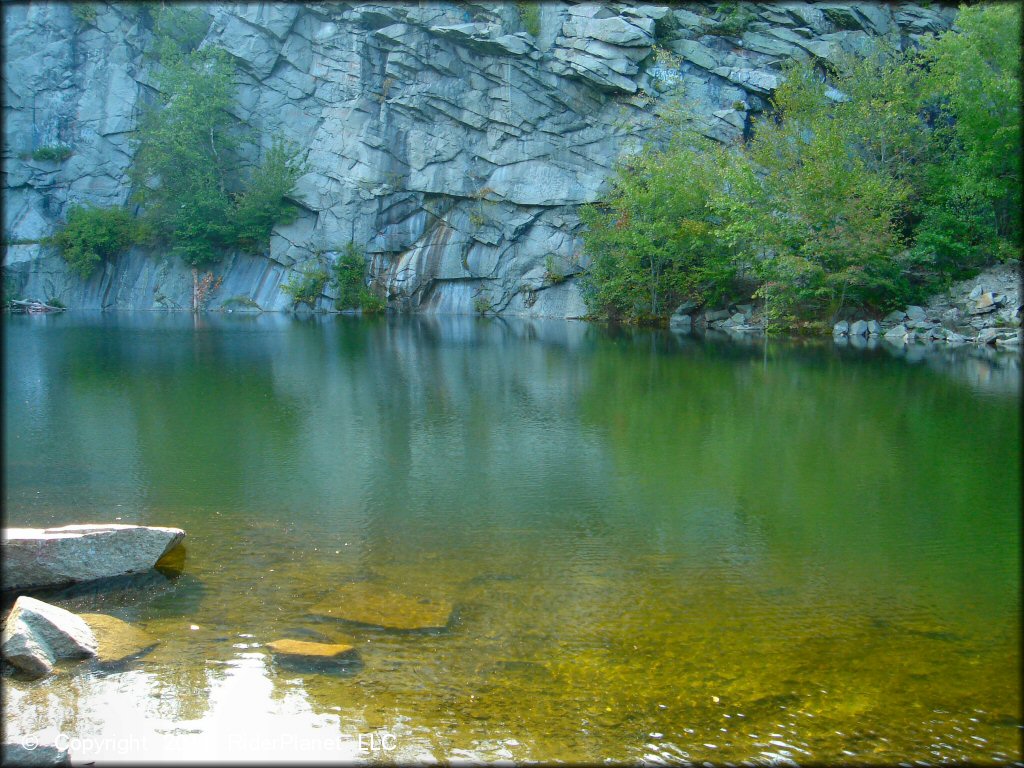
column 185, row 153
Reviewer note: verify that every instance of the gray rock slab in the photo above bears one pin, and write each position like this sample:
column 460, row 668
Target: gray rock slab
column 18, row 753
column 37, row 557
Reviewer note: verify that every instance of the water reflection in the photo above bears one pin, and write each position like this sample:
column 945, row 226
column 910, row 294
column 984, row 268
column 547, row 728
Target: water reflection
column 674, row 548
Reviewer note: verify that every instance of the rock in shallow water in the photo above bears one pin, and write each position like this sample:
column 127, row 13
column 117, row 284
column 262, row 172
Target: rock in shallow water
column 304, row 649
column 367, row 603
column 36, row 634
column 117, row 640
column 39, row 557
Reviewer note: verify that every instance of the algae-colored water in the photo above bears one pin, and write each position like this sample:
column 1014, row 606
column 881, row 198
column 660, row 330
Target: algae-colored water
column 653, row 548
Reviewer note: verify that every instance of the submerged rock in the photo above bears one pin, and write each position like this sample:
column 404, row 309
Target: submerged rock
column 39, row 557
column 117, row 640
column 37, row 634
column 367, row 603
column 304, row 649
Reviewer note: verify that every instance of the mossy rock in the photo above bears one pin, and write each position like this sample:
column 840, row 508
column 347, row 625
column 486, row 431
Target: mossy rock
column 118, row 640
column 305, row 649
column 377, row 606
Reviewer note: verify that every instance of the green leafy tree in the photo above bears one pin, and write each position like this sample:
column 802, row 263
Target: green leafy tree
column 185, row 154
column 828, row 208
column 653, row 239
column 188, row 173
column 970, row 204
column 896, row 172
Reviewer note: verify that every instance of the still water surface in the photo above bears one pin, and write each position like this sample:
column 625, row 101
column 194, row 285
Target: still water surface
column 657, row 548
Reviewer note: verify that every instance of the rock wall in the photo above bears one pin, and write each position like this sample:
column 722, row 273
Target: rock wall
column 445, row 138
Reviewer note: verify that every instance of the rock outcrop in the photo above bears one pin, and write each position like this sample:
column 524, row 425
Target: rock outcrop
column 41, row 557
column 447, row 139
column 37, row 634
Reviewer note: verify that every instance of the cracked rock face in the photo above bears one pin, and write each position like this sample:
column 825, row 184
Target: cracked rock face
column 454, row 142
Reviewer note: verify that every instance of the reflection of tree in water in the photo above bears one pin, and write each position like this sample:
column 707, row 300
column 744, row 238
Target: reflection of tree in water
column 200, row 405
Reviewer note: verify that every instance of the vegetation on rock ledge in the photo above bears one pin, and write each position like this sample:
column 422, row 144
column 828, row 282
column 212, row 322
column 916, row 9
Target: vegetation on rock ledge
column 899, row 174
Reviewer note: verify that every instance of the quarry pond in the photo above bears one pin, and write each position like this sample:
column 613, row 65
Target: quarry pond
column 545, row 540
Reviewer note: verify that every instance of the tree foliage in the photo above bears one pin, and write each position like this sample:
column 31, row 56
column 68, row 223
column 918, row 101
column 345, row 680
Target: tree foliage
column 91, row 235
column 187, row 169
column 898, row 170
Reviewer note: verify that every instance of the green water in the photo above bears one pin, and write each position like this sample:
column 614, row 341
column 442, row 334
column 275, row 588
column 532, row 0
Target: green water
column 657, row 548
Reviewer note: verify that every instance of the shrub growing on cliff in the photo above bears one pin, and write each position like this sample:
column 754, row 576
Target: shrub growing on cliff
column 263, row 203
column 529, row 15
column 348, row 277
column 306, row 287
column 91, row 235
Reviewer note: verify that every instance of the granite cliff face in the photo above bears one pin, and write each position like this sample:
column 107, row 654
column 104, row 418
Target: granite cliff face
column 445, row 138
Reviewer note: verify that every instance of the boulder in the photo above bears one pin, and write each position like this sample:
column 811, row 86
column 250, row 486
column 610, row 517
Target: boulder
column 987, row 336
column 716, row 314
column 874, row 328
column 841, row 328
column 28, row 754
column 916, row 313
column 38, row 557
column 858, row 328
column 983, row 309
column 985, row 300
column 682, row 323
column 897, row 316
column 36, row 634
column 954, row 338
column 374, row 605
column 117, row 640
column 896, row 332
column 686, row 307
column 975, row 293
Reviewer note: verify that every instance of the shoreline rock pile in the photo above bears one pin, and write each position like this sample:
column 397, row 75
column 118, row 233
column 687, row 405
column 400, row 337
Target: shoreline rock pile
column 984, row 310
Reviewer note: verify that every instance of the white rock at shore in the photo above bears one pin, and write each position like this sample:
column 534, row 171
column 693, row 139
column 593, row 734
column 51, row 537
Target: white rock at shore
column 37, row 557
column 36, row 634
